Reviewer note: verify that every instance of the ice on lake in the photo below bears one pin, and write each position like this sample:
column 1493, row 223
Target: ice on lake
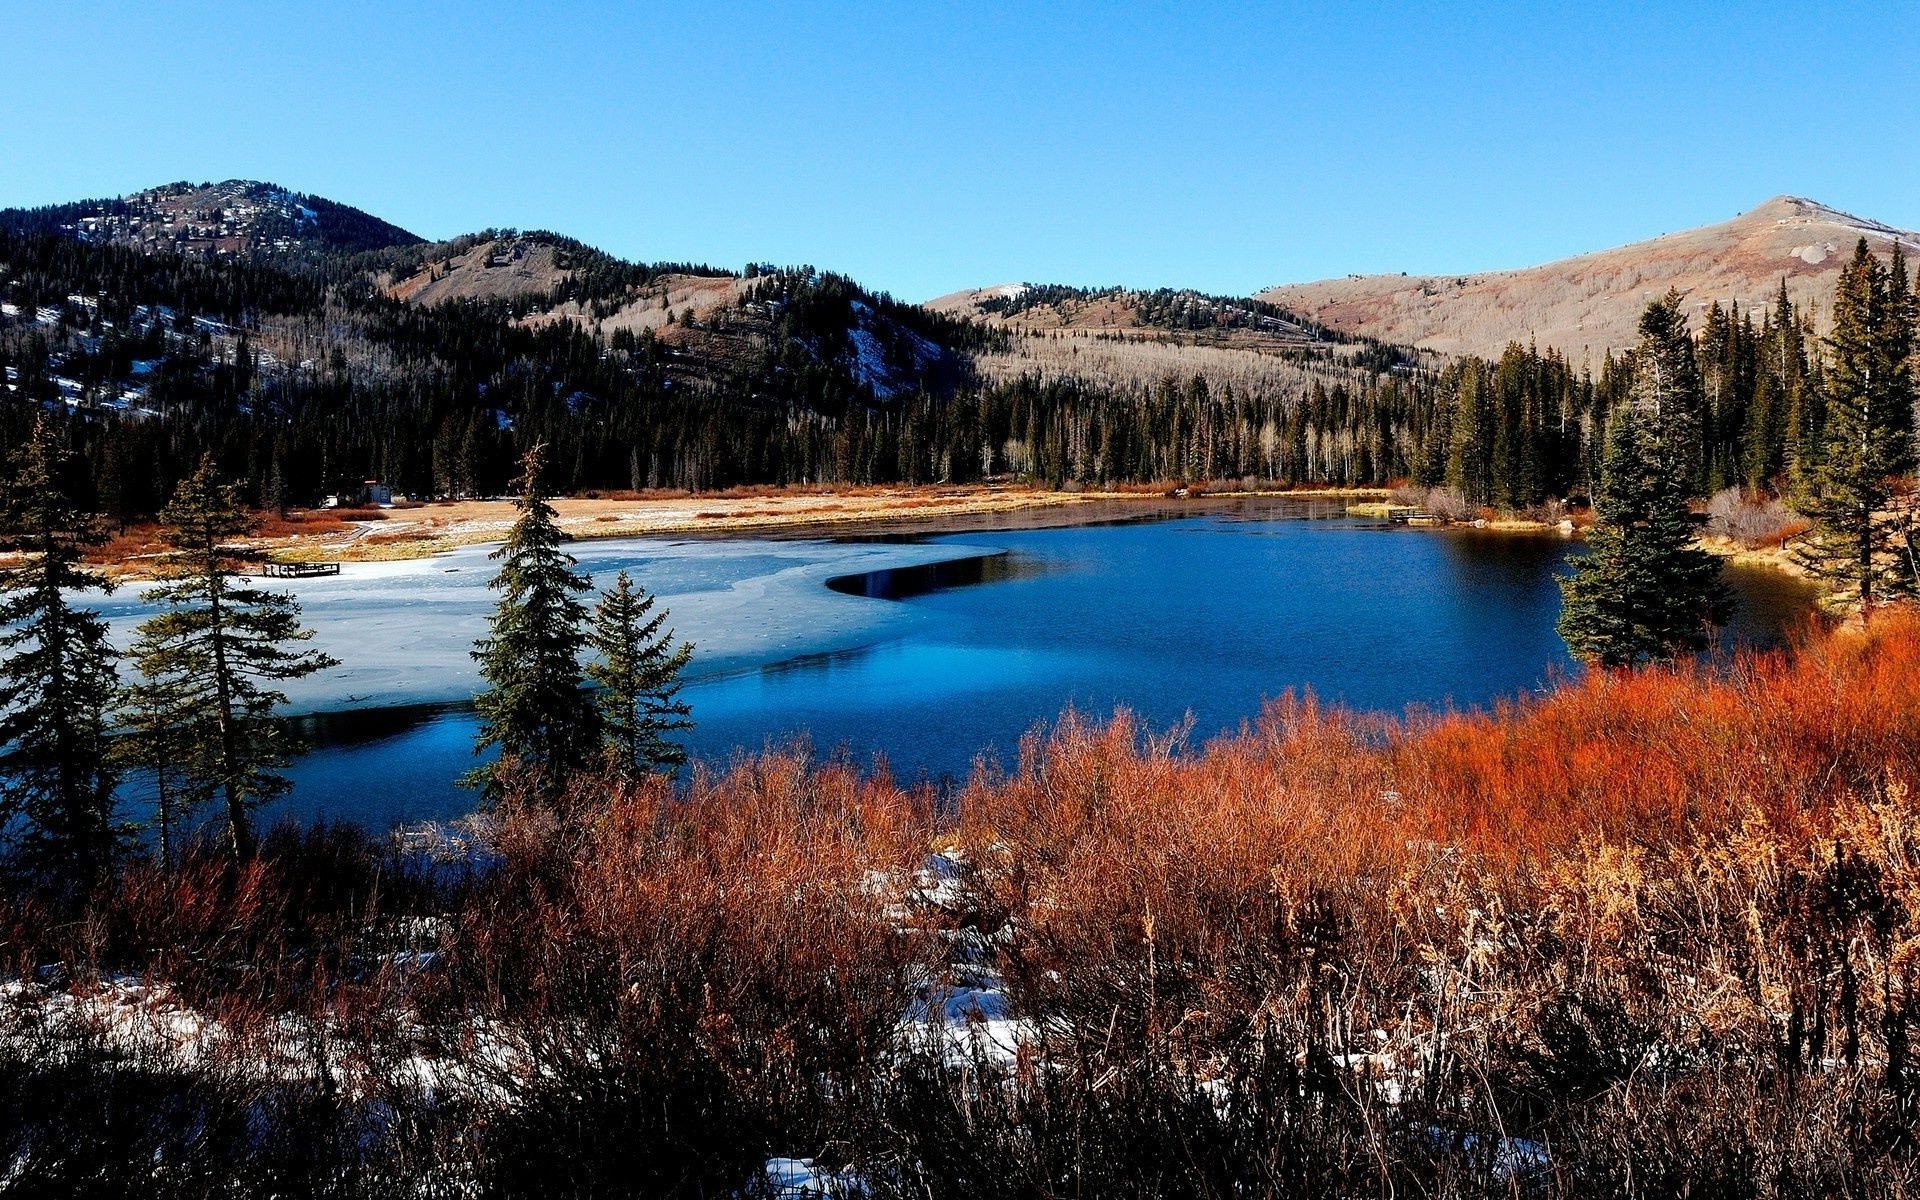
column 404, row 631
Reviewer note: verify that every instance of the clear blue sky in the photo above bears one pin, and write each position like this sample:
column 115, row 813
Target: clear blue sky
column 928, row 147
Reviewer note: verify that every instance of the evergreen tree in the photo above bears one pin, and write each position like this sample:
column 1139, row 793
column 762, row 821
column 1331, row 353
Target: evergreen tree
column 1867, row 439
column 1470, row 456
column 157, row 727
column 638, row 672
column 209, row 660
column 1644, row 591
column 1666, row 390
column 57, row 678
column 535, row 707
column 1780, row 376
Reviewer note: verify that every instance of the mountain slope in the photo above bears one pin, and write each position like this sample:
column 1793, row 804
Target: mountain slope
column 1134, row 338
column 1591, row 303
column 236, row 217
column 1164, row 314
column 706, row 322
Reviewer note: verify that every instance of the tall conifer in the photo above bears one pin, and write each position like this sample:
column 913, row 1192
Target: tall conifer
column 210, row 659
column 1867, row 438
column 535, row 708
column 1644, row 591
column 57, row 678
column 638, row 671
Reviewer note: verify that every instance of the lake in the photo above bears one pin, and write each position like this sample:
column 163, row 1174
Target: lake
column 931, row 648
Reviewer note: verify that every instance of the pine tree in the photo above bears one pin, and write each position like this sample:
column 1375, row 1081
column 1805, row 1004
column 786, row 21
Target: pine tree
column 1867, row 438
column 1644, row 591
column 209, row 660
column 1470, row 454
column 1780, row 374
column 57, row 677
column 535, row 708
column 638, row 672
column 156, row 738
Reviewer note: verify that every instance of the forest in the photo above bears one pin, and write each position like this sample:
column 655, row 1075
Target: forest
column 302, row 380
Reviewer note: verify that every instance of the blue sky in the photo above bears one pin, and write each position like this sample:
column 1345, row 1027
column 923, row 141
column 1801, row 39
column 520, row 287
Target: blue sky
column 927, row 147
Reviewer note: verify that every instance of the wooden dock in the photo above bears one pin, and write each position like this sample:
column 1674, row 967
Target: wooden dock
column 1399, row 514
column 298, row 570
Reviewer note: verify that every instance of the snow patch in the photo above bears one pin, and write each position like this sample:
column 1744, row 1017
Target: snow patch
column 797, row 1177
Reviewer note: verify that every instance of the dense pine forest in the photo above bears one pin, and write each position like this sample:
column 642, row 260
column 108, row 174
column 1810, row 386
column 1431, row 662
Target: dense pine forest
column 302, row 374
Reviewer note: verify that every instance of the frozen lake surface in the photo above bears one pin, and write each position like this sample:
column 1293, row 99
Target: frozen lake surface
column 404, row 631
column 933, row 650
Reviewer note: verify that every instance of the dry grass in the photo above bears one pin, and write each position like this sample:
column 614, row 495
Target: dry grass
column 1659, row 927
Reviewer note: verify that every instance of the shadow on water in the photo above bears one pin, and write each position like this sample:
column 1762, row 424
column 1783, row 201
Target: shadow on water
column 1771, row 608
column 824, row 663
column 900, row 583
column 361, row 726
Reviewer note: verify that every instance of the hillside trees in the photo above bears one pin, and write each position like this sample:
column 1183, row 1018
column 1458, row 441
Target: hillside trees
column 57, row 673
column 1867, row 438
column 301, row 381
column 1644, row 591
column 209, row 661
column 535, row 707
column 1769, row 448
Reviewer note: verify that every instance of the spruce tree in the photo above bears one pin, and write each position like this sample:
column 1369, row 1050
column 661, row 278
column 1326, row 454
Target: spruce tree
column 1470, row 453
column 638, row 672
column 57, row 676
column 535, row 708
column 1644, row 591
column 209, row 660
column 156, row 738
column 1867, row 438
column 1781, row 375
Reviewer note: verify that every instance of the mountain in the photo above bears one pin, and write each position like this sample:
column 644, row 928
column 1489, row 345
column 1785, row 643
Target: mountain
column 306, row 345
column 237, row 217
column 704, row 320
column 304, row 342
column 1590, row 304
column 1119, row 337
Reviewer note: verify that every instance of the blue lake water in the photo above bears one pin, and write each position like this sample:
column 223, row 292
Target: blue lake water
column 932, row 649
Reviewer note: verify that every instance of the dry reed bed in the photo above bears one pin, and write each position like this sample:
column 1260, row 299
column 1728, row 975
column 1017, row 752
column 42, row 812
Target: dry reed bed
column 1651, row 934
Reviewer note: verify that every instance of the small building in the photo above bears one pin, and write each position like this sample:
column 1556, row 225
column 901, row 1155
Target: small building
column 370, row 491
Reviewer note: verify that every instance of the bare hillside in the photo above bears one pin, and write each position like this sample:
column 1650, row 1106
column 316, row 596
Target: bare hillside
column 1181, row 316
column 1587, row 305
column 554, row 272
column 1134, row 361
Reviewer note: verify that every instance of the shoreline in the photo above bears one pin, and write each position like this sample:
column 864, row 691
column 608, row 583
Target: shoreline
column 427, row 531
column 405, row 534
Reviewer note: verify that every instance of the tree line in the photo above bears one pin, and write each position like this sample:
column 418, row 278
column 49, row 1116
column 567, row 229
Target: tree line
column 1834, row 428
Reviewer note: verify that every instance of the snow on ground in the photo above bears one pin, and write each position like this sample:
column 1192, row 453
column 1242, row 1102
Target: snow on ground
column 403, row 631
column 797, row 1177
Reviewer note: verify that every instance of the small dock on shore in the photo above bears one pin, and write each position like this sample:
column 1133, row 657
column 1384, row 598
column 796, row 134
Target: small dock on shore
column 1399, row 514
column 298, row 570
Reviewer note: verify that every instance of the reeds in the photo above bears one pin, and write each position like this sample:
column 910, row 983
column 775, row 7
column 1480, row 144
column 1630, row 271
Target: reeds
column 1648, row 934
